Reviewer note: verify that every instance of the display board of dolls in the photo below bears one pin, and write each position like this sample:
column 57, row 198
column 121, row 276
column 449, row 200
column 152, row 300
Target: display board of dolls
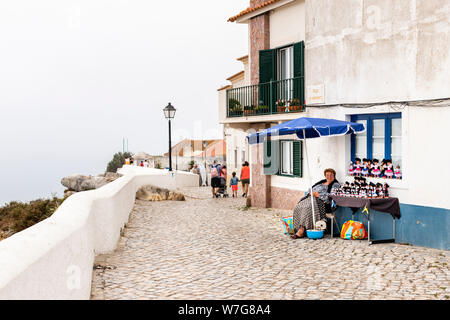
column 374, row 169
column 361, row 189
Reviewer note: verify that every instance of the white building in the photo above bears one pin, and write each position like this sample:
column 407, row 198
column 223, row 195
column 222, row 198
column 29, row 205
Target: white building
column 383, row 63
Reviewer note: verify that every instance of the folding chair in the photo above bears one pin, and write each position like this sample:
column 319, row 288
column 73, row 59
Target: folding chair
column 332, row 216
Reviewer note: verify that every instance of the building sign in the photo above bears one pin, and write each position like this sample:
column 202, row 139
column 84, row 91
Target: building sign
column 316, row 94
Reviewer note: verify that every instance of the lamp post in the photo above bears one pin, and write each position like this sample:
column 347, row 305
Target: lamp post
column 205, row 144
column 169, row 113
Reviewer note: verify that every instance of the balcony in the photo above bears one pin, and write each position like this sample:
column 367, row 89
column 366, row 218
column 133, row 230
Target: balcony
column 275, row 97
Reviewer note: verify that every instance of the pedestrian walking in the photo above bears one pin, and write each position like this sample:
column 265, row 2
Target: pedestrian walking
column 234, row 181
column 215, row 180
column 245, row 178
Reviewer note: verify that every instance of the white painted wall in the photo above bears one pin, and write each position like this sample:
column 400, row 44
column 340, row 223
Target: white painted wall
column 287, row 24
column 378, row 50
column 235, row 138
column 54, row 259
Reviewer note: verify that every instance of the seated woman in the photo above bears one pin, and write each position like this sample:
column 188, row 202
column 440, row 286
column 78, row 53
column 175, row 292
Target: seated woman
column 321, row 191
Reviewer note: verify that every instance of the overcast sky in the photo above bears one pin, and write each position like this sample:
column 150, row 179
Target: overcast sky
column 78, row 76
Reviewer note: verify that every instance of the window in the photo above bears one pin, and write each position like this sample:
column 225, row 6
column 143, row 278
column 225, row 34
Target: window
column 286, row 158
column 243, row 156
column 285, row 70
column 281, row 75
column 283, row 158
column 285, row 63
column 382, row 139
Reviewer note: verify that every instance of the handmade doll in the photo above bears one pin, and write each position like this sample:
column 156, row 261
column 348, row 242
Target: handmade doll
column 365, row 168
column 351, row 169
column 358, row 167
column 369, row 165
column 398, row 173
column 372, row 190
column 364, row 187
column 363, row 193
column 382, row 168
column 347, row 189
column 388, row 169
column 376, row 172
column 386, row 190
column 380, row 190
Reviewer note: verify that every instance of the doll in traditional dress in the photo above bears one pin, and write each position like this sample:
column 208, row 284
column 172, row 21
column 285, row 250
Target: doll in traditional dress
column 346, row 189
column 388, row 169
column 380, row 190
column 369, row 165
column 376, row 172
column 353, row 190
column 365, row 168
column 382, row 168
column 363, row 193
column 351, row 169
column 358, row 167
column 372, row 190
column 398, row 173
column 386, row 190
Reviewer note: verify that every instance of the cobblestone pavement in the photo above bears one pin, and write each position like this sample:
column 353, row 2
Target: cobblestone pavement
column 208, row 248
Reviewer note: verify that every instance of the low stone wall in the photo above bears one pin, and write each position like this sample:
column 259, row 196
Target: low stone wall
column 54, row 259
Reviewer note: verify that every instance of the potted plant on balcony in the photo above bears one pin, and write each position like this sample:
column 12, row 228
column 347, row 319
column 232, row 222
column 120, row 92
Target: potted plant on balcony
column 234, row 106
column 263, row 109
column 281, row 105
column 294, row 104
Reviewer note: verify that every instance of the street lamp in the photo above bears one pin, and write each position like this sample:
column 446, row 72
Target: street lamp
column 169, row 113
column 205, row 144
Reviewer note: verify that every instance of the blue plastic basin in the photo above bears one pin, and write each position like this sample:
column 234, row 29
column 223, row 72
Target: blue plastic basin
column 313, row 234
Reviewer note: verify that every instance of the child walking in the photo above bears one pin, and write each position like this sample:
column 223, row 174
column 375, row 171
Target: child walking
column 234, row 184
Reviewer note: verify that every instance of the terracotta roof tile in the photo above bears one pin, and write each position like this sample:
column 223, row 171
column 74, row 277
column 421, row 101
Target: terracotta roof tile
column 236, row 75
column 228, row 86
column 250, row 9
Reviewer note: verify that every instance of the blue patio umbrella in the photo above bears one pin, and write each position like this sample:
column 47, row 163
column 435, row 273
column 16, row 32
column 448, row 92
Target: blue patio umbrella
column 309, row 128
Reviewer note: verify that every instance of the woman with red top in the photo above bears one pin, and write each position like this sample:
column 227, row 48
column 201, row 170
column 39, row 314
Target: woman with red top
column 223, row 172
column 245, row 178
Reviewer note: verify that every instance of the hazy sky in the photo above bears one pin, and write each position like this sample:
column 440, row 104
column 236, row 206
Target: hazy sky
column 78, row 76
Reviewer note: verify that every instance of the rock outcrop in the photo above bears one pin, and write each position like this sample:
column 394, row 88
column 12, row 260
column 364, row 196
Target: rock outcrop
column 80, row 183
column 152, row 193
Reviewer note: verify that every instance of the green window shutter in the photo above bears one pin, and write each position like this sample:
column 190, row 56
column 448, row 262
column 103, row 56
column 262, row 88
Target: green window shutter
column 298, row 158
column 267, row 65
column 299, row 71
column 271, row 157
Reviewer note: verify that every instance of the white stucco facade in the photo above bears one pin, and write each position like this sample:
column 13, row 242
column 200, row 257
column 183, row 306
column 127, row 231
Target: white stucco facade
column 54, row 258
column 378, row 50
column 287, row 24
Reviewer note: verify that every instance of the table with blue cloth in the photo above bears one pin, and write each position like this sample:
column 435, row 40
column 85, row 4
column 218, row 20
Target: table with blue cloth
column 387, row 205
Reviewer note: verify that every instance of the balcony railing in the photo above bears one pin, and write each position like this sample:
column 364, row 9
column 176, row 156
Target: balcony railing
column 274, row 97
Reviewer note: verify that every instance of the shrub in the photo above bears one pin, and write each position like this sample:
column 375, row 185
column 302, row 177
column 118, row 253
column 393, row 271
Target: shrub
column 117, row 162
column 18, row 216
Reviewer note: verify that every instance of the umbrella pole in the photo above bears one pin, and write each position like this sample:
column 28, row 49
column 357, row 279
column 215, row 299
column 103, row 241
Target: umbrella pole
column 310, row 180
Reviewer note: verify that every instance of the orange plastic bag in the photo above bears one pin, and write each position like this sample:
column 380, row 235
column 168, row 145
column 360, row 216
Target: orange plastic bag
column 353, row 230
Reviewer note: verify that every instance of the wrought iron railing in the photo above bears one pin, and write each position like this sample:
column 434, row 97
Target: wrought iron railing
column 273, row 97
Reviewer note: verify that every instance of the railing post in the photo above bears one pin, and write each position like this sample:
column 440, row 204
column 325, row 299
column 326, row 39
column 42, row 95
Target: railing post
column 271, row 97
column 227, row 105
